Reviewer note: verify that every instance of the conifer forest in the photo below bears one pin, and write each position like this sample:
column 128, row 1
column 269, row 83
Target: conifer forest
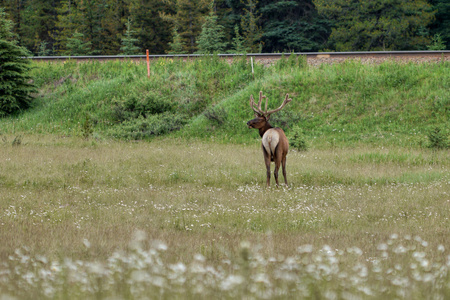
column 113, row 27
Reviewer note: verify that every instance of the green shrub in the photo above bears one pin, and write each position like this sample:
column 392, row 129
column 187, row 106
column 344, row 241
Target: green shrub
column 216, row 115
column 152, row 126
column 285, row 119
column 86, row 129
column 137, row 105
column 297, row 139
column 438, row 139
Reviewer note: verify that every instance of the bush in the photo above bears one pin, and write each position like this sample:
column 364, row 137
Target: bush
column 297, row 139
column 154, row 125
column 285, row 119
column 438, row 139
column 216, row 115
column 136, row 105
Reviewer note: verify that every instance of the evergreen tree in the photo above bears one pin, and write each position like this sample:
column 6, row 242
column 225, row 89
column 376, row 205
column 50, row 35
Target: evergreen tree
column 128, row 41
column 14, row 10
column 152, row 31
column 188, row 19
column 15, row 91
column 43, row 49
column 252, row 32
column 76, row 45
column 69, row 20
column 92, row 16
column 212, row 36
column 238, row 42
column 440, row 28
column 377, row 25
column 293, row 26
column 176, row 47
column 38, row 24
column 436, row 43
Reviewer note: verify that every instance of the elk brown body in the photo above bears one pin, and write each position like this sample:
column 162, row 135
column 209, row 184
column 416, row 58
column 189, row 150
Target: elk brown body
column 274, row 143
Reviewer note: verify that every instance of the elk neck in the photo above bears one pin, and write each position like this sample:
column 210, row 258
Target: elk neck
column 263, row 129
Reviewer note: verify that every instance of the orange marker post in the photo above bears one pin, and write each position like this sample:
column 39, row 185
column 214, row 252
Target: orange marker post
column 148, row 65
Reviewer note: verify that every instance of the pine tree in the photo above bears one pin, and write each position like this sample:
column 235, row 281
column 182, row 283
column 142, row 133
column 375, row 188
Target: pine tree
column 152, row 31
column 38, row 23
column 238, row 42
column 69, row 20
column 15, row 91
column 292, row 26
column 43, row 50
column 377, row 25
column 187, row 19
column 440, row 28
column 177, row 46
column 76, row 45
column 249, row 23
column 128, row 41
column 211, row 38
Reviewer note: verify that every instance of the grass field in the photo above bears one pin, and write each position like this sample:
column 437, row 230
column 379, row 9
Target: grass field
column 114, row 186
column 176, row 219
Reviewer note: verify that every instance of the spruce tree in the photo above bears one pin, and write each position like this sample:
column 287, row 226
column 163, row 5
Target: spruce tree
column 177, row 46
column 187, row 19
column 211, row 38
column 377, row 25
column 15, row 91
column 249, row 23
column 128, row 41
column 76, row 45
column 43, row 50
column 238, row 42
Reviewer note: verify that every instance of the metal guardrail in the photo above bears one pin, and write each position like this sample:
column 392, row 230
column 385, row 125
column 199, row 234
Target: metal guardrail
column 254, row 55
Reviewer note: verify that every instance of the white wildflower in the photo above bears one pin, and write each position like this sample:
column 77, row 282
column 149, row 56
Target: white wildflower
column 382, row 247
column 231, row 282
column 178, row 268
column 305, row 249
column 86, row 243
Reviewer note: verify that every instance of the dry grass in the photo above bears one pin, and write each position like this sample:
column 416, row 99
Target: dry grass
column 66, row 198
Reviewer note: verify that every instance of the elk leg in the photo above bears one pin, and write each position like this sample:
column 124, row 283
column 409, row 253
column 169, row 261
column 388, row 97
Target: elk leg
column 277, row 167
column 284, row 170
column 268, row 174
column 267, row 161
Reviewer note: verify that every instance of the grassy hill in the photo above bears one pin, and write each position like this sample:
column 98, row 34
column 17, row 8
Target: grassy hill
column 332, row 105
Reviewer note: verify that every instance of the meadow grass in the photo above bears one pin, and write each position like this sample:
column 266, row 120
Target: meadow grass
column 116, row 186
column 173, row 218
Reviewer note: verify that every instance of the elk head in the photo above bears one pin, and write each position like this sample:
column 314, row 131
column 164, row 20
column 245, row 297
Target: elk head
column 275, row 144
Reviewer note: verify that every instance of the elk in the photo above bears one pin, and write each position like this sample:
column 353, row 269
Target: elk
column 274, row 144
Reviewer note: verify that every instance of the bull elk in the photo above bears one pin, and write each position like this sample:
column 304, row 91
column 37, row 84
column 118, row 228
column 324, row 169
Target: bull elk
column 275, row 144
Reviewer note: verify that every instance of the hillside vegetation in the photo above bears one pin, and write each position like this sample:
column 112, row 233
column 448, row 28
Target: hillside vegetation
column 339, row 104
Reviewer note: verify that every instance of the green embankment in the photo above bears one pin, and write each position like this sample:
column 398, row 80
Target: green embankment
column 339, row 104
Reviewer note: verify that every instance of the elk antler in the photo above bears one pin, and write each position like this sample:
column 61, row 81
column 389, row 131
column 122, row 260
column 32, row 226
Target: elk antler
column 286, row 101
column 258, row 109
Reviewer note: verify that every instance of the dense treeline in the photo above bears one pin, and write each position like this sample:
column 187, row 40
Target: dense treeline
column 109, row 27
